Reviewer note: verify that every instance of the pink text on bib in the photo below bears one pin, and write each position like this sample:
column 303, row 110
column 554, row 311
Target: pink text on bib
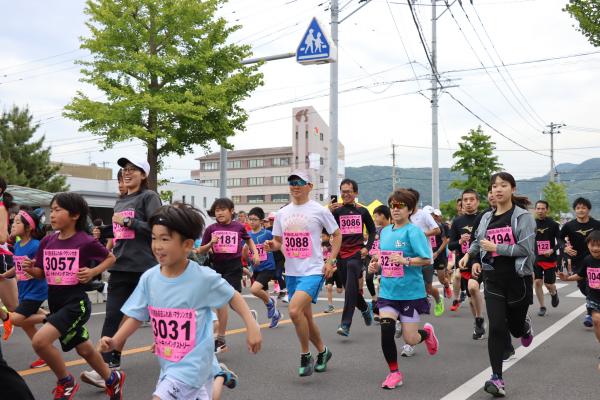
column 262, row 254
column 61, row 266
column 375, row 248
column 390, row 269
column 21, row 275
column 351, row 224
column 543, row 246
column 123, row 232
column 297, row 244
column 433, row 241
column 593, row 275
column 228, row 242
column 502, row 235
column 464, row 247
column 174, row 331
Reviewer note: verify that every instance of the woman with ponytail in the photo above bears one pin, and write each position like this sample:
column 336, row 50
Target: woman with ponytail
column 503, row 251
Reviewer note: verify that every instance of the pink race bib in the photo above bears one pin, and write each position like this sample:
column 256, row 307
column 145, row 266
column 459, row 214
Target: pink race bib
column 122, row 232
column 21, row 275
column 433, row 241
column 297, row 244
column 390, row 269
column 593, row 275
column 543, row 246
column 228, row 242
column 502, row 235
column 61, row 266
column 375, row 248
column 262, row 254
column 464, row 247
column 326, row 253
column 351, row 224
column 174, row 331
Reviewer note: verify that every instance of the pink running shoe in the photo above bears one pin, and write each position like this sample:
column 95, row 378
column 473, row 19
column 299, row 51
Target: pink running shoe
column 393, row 380
column 431, row 342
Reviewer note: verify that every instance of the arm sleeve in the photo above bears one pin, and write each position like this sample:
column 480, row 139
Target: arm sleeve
column 525, row 240
column 152, row 203
column 454, row 237
column 136, row 306
column 94, row 251
column 371, row 229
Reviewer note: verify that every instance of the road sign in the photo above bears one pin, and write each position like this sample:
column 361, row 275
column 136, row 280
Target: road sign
column 316, row 47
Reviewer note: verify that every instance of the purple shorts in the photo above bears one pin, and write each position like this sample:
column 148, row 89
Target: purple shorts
column 405, row 310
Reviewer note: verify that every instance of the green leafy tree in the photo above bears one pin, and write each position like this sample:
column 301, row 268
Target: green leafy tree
column 476, row 161
column 587, row 14
column 448, row 209
column 168, row 74
column 23, row 161
column 556, row 195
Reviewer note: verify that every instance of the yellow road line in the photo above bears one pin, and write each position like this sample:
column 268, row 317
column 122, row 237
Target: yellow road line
column 143, row 349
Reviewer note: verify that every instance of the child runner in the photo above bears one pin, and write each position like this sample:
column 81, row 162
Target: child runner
column 226, row 239
column 297, row 230
column 339, row 286
column 590, row 271
column 177, row 296
column 63, row 258
column 404, row 251
column 504, row 243
column 265, row 270
column 381, row 217
column 32, row 292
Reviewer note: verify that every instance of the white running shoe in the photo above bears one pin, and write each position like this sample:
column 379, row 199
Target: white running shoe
column 407, row 351
column 286, row 299
column 93, row 378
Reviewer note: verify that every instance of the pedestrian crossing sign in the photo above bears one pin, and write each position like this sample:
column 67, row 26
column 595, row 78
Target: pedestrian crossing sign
column 315, row 46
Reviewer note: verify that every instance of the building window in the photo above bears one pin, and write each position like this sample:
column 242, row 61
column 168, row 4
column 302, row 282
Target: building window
column 204, row 202
column 280, row 198
column 280, row 180
column 321, row 179
column 281, row 162
column 321, row 136
column 236, row 199
column 256, row 198
column 320, row 196
column 234, row 164
column 210, row 166
column 210, row 182
column 233, row 182
column 256, row 163
column 322, row 160
column 256, row 181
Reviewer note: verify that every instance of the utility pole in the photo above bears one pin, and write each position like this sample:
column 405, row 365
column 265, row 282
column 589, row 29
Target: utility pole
column 554, row 129
column 223, row 173
column 393, row 166
column 333, row 105
column 435, row 166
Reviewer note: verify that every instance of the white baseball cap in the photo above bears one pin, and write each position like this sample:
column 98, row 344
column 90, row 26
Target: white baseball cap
column 428, row 209
column 437, row 212
column 302, row 174
column 140, row 163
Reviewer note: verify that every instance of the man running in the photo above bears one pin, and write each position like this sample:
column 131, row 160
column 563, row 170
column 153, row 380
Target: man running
column 352, row 220
column 297, row 230
column 546, row 243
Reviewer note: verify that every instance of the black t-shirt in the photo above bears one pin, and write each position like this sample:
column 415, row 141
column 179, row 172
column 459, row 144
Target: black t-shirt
column 463, row 224
column 590, row 271
column 577, row 233
column 439, row 239
column 503, row 265
column 347, row 218
column 547, row 236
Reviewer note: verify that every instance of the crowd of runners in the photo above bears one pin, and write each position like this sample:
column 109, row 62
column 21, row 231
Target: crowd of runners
column 170, row 271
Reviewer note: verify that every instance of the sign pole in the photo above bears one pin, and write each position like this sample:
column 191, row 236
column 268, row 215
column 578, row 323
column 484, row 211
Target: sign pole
column 333, row 105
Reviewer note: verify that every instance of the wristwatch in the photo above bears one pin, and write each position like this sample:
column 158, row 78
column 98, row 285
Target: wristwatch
column 126, row 221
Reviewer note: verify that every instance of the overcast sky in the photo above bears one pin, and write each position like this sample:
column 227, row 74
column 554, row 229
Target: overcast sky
column 378, row 45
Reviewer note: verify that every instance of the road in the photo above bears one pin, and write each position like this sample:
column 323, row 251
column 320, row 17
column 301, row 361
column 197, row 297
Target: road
column 561, row 363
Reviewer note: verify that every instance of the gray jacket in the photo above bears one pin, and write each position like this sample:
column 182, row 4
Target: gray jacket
column 523, row 227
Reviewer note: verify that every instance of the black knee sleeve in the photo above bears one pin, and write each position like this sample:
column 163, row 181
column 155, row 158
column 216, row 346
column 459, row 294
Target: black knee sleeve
column 388, row 342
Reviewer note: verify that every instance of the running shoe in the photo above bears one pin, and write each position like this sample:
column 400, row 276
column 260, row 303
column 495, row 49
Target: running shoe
column 368, row 316
column 8, row 326
column 542, row 312
column 271, row 307
column 398, row 329
column 115, row 390
column 455, row 305
column 495, row 386
column 509, row 354
column 282, row 294
column 448, row 292
column 39, row 363
column 343, row 330
column 431, row 342
column 115, row 360
column 528, row 337
column 306, row 365
column 392, row 381
column 555, row 300
column 463, row 296
column 285, row 299
column 93, row 378
column 275, row 288
column 438, row 310
column 587, row 322
column 407, row 351
column 275, row 319
column 66, row 390
column 220, row 346
column 330, row 309
column 478, row 329
column 230, row 378
column 322, row 360
column 376, row 318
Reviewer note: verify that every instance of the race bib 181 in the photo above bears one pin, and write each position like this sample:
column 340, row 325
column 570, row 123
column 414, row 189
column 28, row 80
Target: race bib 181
column 228, row 242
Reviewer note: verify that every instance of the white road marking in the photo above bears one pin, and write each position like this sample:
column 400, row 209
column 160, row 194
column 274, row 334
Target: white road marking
column 475, row 384
column 577, row 294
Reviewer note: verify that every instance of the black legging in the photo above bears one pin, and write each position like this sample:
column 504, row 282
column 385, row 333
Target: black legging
column 370, row 283
column 351, row 270
column 507, row 301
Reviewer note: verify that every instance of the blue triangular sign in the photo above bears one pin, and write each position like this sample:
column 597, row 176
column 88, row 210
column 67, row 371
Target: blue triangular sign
column 315, row 46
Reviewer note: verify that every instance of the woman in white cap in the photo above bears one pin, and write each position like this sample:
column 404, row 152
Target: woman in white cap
column 132, row 247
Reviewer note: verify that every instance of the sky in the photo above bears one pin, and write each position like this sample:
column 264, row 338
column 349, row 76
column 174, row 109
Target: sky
column 383, row 74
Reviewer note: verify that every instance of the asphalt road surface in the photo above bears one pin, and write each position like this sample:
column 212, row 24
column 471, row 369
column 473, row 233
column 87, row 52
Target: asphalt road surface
column 562, row 362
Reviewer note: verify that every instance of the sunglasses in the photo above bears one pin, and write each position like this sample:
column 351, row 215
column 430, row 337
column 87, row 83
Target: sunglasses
column 298, row 182
column 397, row 206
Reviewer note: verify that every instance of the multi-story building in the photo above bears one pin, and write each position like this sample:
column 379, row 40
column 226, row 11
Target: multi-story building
column 258, row 177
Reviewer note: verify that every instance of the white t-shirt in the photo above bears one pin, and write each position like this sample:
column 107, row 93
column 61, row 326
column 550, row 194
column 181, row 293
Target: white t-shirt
column 423, row 220
column 300, row 230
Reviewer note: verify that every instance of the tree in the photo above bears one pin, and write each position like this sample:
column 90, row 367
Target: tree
column 23, row 161
column 556, row 196
column 169, row 77
column 476, row 161
column 587, row 13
